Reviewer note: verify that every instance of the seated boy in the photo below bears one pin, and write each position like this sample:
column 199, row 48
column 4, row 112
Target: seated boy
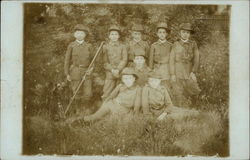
column 141, row 69
column 155, row 97
column 125, row 98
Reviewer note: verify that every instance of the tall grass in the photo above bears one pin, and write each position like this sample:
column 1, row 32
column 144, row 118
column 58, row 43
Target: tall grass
column 190, row 134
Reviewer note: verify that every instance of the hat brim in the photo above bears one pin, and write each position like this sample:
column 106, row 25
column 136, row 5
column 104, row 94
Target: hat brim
column 84, row 30
column 135, row 75
column 167, row 29
column 142, row 56
column 137, row 30
column 115, row 30
column 188, row 29
column 155, row 77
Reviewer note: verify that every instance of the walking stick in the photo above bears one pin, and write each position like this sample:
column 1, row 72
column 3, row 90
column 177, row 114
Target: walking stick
column 83, row 78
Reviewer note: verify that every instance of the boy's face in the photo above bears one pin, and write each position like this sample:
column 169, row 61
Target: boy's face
column 139, row 60
column 185, row 34
column 162, row 33
column 136, row 35
column 79, row 35
column 128, row 80
column 114, row 35
column 154, row 82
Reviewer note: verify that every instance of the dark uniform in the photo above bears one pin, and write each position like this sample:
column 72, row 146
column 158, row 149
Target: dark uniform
column 137, row 47
column 184, row 60
column 121, row 101
column 142, row 73
column 155, row 101
column 78, row 57
column 115, row 57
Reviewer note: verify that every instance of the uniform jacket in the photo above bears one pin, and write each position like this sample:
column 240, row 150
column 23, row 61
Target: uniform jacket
column 78, row 55
column 137, row 48
column 159, row 53
column 127, row 97
column 115, row 56
column 142, row 74
column 155, row 99
column 184, row 59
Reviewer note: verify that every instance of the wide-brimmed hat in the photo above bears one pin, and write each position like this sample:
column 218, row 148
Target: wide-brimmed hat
column 141, row 54
column 187, row 26
column 137, row 27
column 163, row 25
column 114, row 28
column 81, row 27
column 129, row 71
column 154, row 74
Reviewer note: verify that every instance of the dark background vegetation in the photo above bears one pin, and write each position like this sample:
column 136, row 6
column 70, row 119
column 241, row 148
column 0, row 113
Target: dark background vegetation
column 48, row 29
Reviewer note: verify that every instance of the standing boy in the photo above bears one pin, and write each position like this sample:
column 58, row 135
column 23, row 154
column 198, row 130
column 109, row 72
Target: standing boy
column 124, row 99
column 160, row 53
column 115, row 59
column 184, row 64
column 137, row 46
column 79, row 55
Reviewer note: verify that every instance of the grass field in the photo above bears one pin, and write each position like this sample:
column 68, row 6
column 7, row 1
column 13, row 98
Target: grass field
column 200, row 133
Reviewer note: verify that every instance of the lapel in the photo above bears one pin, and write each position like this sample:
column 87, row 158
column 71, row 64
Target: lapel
column 140, row 43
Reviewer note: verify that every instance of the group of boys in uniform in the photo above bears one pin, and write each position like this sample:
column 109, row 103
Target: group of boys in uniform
column 139, row 78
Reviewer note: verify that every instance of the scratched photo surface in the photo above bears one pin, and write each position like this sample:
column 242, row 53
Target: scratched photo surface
column 90, row 71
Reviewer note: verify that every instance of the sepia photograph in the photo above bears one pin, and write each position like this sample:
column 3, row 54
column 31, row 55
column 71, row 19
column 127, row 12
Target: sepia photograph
column 126, row 79
column 102, row 79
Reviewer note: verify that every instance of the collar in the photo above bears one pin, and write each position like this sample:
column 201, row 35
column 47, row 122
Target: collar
column 135, row 41
column 80, row 42
column 128, row 88
column 141, row 69
column 162, row 41
column 185, row 41
column 114, row 43
column 159, row 88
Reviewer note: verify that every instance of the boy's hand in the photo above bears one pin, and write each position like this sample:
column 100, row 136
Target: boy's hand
column 115, row 72
column 90, row 71
column 193, row 77
column 173, row 78
column 162, row 116
column 68, row 78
